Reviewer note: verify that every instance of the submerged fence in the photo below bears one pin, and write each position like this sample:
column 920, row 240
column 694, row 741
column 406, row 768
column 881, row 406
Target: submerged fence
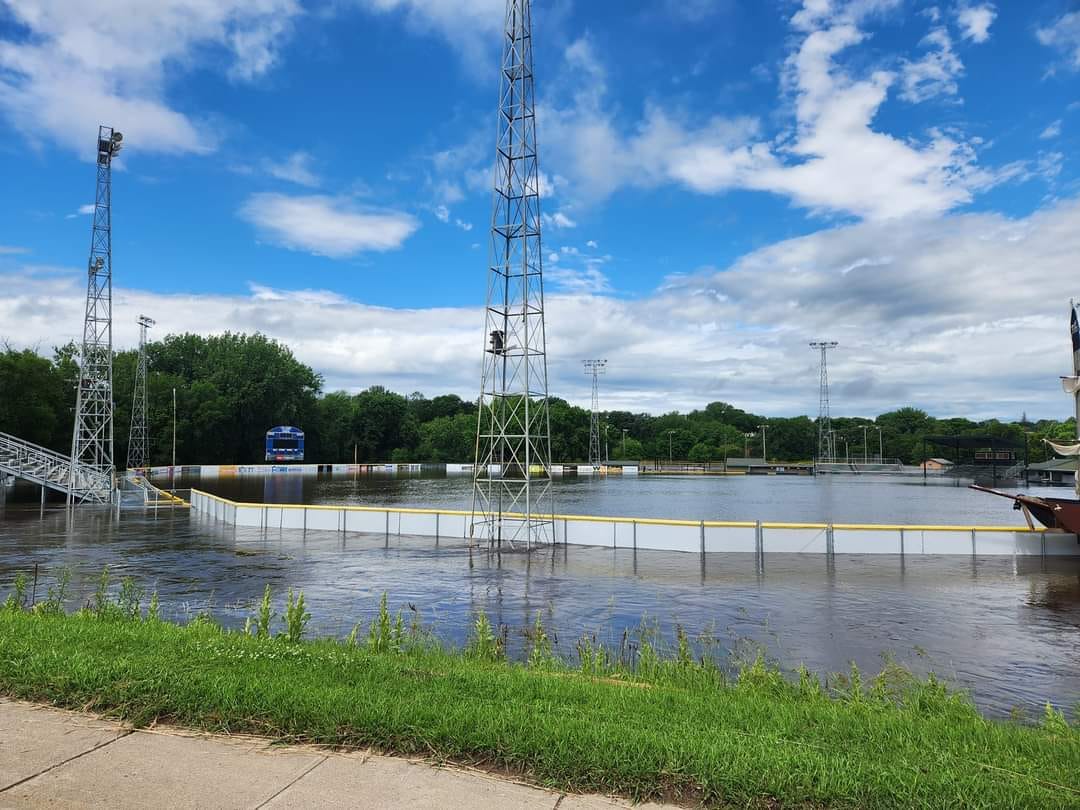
column 651, row 533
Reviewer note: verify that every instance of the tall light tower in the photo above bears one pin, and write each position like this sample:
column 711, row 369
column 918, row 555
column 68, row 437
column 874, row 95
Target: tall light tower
column 824, row 426
column 595, row 368
column 512, row 497
column 139, row 439
column 92, row 438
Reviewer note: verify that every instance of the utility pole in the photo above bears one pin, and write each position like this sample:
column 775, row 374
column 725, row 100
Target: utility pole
column 746, row 443
column 764, row 453
column 864, row 444
column 624, row 432
column 595, row 368
column 670, row 433
column 826, row 449
column 512, row 498
column 92, row 437
column 174, row 427
column 880, row 446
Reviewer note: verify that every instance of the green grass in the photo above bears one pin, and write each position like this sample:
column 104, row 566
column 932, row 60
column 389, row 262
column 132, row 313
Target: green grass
column 674, row 729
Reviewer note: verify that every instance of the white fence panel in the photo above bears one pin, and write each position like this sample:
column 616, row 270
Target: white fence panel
column 795, row 541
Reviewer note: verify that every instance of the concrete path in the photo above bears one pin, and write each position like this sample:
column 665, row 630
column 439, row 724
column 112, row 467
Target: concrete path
column 57, row 759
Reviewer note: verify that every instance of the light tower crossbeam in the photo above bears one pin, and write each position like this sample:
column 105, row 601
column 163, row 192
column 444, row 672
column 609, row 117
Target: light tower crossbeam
column 512, row 498
column 92, row 437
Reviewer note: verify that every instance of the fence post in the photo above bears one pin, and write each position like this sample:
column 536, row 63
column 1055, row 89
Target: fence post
column 973, row 542
column 703, row 537
column 635, row 535
column 829, row 540
column 387, row 524
column 614, row 534
column 901, row 542
column 437, row 515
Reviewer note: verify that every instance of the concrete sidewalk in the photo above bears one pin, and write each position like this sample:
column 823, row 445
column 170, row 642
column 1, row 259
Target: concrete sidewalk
column 57, row 759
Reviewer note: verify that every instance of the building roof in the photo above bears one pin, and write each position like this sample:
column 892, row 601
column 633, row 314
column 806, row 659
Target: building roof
column 1066, row 464
column 942, row 461
column 746, row 462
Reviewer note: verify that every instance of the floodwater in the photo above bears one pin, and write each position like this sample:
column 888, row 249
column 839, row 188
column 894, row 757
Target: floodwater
column 1005, row 629
column 839, row 499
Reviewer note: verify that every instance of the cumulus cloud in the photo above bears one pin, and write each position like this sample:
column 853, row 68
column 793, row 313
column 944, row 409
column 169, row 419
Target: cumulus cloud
column 975, row 21
column 935, row 74
column 559, row 220
column 63, row 61
column 296, row 168
column 470, row 26
column 1063, row 34
column 81, row 211
column 326, row 226
column 820, row 163
column 1052, row 131
column 965, row 314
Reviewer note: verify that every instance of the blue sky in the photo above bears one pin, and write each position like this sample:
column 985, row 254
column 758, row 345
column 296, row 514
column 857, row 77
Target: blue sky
column 724, row 181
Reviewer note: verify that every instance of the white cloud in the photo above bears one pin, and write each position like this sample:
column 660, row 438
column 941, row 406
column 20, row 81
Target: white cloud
column 63, row 61
column 1052, row 131
column 821, row 163
column 295, row 169
column 12, row 250
column 975, row 21
column 591, row 243
column 559, row 220
column 470, row 26
column 327, row 226
column 694, row 11
column 935, row 74
column 442, row 213
column 1064, row 35
column 465, row 226
column 964, row 314
column 81, row 211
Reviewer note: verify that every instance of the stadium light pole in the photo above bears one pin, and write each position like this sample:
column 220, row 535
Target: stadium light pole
column 174, row 430
column 764, row 452
column 670, row 433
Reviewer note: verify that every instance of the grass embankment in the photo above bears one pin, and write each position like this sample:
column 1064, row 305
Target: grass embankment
column 673, row 728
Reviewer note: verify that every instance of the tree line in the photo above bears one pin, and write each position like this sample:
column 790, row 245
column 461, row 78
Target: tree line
column 230, row 389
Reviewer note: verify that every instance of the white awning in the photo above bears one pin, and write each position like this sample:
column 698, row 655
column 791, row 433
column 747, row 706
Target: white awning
column 1070, row 384
column 1064, row 449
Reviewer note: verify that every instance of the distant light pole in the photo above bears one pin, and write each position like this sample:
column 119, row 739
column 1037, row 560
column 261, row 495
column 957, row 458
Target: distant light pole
column 670, row 433
column 174, row 427
column 746, row 444
column 607, row 455
column 880, row 446
column 624, row 432
column 764, row 452
column 864, row 444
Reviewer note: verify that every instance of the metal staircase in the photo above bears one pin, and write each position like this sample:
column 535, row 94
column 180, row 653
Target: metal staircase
column 50, row 469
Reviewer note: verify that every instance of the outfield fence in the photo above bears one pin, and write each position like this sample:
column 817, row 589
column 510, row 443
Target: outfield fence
column 702, row 536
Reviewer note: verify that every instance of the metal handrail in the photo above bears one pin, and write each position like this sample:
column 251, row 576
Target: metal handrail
column 39, row 464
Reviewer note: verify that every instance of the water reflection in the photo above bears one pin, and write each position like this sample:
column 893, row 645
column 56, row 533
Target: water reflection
column 1006, row 628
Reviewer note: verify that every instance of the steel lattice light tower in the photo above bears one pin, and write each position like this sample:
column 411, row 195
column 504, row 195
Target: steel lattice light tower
column 825, row 448
column 512, row 497
column 92, row 439
column 139, row 438
column 595, row 368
